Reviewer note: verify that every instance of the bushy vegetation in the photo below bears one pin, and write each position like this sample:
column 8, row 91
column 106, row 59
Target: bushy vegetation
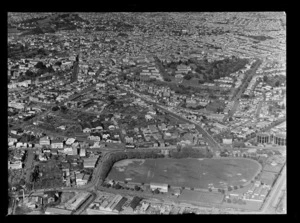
column 47, row 175
column 210, row 70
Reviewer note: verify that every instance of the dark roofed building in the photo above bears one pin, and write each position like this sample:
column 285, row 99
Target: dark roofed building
column 119, row 206
column 134, row 203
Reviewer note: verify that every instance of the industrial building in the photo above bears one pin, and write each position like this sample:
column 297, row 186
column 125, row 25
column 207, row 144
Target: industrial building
column 111, row 205
column 120, row 204
column 77, row 200
column 134, row 203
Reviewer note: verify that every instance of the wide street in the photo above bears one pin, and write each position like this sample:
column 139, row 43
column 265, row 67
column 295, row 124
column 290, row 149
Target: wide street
column 242, row 88
column 271, row 201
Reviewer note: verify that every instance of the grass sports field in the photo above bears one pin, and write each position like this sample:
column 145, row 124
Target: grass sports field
column 190, row 172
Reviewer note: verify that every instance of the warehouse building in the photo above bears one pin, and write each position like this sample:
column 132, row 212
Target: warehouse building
column 113, row 203
column 120, row 204
column 57, row 211
column 134, row 203
column 77, row 200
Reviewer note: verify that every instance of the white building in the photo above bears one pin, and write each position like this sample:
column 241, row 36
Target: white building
column 16, row 165
column 82, row 152
column 161, row 187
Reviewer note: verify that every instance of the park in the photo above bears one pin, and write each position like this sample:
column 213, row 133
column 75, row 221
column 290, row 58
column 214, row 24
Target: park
column 187, row 172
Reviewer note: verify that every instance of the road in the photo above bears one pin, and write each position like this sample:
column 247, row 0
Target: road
column 233, row 108
column 92, row 185
column 272, row 125
column 274, row 195
column 281, row 205
column 242, row 88
column 269, row 205
column 43, row 114
column 213, row 144
column 260, row 105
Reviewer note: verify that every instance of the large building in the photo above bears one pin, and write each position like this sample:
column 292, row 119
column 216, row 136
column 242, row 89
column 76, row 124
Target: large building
column 263, row 138
column 57, row 211
column 280, row 139
column 77, row 200
column 159, row 186
column 45, row 141
column 133, row 204
column 90, row 162
column 277, row 138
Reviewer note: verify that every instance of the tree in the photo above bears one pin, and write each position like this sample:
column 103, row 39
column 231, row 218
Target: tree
column 40, row 65
column 137, row 188
column 229, row 188
column 156, row 191
column 277, row 83
column 235, row 187
column 58, row 63
column 117, row 186
column 265, row 78
column 187, row 77
column 22, row 182
column 167, row 79
column 55, row 108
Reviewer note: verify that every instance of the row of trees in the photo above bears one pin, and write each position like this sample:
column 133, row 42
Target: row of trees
column 34, row 177
column 190, row 153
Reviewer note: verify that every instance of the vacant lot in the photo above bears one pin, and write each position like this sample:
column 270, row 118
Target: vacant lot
column 195, row 173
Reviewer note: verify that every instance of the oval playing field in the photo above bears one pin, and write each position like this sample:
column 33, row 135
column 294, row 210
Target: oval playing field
column 196, row 173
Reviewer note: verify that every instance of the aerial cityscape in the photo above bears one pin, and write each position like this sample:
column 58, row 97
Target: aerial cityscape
column 156, row 113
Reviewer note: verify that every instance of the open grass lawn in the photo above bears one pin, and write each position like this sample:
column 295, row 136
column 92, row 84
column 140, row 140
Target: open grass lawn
column 250, row 205
column 198, row 196
column 195, row 173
